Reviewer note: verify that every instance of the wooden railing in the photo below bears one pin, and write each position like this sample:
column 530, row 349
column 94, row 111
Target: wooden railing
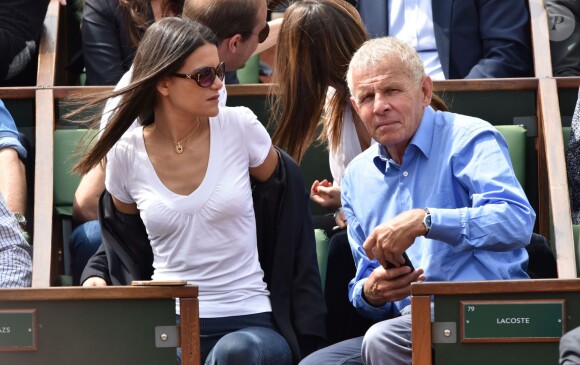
column 47, row 49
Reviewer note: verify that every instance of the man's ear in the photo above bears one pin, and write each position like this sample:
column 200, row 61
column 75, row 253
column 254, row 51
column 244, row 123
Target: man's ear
column 353, row 103
column 233, row 42
column 426, row 90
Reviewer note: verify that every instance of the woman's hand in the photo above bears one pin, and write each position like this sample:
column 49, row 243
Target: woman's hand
column 325, row 194
column 95, row 281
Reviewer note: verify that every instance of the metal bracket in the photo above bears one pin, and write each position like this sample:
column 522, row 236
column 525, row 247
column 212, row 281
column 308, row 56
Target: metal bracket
column 530, row 123
column 444, row 332
column 167, row 336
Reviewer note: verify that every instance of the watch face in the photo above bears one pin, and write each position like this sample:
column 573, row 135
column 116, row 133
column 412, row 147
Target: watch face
column 20, row 218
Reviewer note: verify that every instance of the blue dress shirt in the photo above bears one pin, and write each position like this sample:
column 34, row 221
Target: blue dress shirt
column 8, row 132
column 459, row 168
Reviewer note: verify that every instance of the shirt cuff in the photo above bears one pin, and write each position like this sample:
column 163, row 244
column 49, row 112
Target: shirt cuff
column 9, row 140
column 363, row 307
column 448, row 225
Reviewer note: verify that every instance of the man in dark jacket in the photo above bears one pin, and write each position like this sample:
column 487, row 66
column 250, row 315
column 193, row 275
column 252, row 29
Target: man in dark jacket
column 20, row 28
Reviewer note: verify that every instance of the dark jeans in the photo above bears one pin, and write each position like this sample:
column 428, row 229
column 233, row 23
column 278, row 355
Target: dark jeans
column 250, row 339
column 84, row 242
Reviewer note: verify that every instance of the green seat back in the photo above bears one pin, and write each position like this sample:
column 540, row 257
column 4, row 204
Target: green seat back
column 250, row 74
column 66, row 154
column 566, row 135
column 321, row 253
column 515, row 136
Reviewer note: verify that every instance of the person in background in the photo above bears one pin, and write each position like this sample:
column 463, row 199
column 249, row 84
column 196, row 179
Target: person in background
column 13, row 177
column 20, row 28
column 458, row 39
column 111, row 31
column 242, row 30
column 564, row 27
column 420, row 190
column 573, row 164
column 15, row 252
column 570, row 348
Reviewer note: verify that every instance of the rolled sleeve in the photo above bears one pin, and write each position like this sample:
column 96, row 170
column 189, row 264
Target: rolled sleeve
column 9, row 137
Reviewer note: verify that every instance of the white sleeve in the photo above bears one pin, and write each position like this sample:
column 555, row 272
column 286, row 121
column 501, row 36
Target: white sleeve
column 113, row 103
column 117, row 173
column 255, row 137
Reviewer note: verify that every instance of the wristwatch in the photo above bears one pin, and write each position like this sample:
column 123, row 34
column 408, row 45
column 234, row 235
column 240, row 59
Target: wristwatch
column 427, row 221
column 21, row 219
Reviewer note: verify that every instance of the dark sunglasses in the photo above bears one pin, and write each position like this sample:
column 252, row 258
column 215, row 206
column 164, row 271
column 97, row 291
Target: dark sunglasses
column 205, row 76
column 263, row 33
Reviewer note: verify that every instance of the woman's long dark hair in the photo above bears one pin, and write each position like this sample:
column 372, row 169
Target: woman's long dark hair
column 162, row 51
column 316, row 42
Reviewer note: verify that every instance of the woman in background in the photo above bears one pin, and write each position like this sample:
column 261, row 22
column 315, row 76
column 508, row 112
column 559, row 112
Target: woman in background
column 111, row 31
column 573, row 164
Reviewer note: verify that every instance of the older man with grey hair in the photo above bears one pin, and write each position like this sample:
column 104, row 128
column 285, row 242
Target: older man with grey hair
column 438, row 187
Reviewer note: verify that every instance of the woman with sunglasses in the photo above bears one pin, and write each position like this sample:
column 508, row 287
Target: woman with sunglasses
column 186, row 171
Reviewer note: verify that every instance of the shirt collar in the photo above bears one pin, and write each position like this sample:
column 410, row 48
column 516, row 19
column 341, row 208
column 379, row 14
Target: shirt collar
column 422, row 139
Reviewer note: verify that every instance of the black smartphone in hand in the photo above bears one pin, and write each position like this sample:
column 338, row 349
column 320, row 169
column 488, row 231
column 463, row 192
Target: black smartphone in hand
column 407, row 263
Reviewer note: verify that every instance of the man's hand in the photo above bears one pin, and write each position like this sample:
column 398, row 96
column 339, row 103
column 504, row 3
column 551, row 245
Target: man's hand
column 325, row 194
column 388, row 241
column 390, row 285
column 95, row 281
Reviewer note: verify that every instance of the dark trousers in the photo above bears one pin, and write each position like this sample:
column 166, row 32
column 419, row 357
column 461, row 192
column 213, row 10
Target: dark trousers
column 343, row 321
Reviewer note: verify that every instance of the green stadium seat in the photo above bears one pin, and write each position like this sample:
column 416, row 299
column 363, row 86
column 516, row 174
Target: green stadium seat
column 566, row 133
column 250, row 74
column 321, row 254
column 66, row 153
column 515, row 136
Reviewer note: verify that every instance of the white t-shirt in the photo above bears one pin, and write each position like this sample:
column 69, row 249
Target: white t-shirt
column 412, row 22
column 208, row 237
column 112, row 103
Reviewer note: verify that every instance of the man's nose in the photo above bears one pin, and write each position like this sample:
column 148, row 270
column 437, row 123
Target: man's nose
column 381, row 104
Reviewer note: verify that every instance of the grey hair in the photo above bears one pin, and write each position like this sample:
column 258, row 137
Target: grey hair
column 376, row 50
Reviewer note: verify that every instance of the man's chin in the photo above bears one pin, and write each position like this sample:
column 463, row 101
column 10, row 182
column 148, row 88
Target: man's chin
column 236, row 68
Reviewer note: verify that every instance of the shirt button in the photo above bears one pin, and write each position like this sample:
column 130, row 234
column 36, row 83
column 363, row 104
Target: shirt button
column 405, row 173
